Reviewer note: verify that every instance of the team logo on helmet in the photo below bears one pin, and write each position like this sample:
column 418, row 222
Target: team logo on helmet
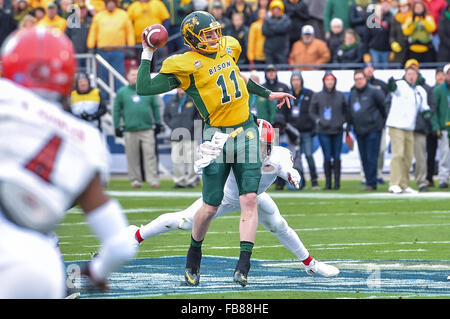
column 195, row 28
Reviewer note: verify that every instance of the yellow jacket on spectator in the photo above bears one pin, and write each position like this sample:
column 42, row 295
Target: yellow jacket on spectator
column 110, row 29
column 419, row 32
column 57, row 22
column 39, row 3
column 144, row 14
column 255, row 49
column 98, row 5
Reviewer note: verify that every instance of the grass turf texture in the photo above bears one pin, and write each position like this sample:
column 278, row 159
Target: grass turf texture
column 353, row 227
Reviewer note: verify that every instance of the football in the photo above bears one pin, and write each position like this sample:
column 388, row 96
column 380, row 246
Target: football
column 157, row 35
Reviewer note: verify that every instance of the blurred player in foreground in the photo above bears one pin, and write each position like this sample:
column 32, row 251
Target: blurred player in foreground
column 209, row 74
column 276, row 161
column 49, row 161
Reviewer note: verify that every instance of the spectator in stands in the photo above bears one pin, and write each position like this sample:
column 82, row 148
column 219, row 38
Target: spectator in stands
column 297, row 11
column 377, row 34
column 86, row 103
column 261, row 4
column 351, row 51
column 239, row 31
column 337, row 9
column 242, row 7
column 316, row 9
column 217, row 10
column 359, row 16
column 144, row 13
column 52, row 19
column 255, row 48
column 111, row 30
column 7, row 23
column 408, row 99
column 329, row 112
column 432, row 140
column 272, row 83
column 398, row 41
column 444, row 36
column 65, row 8
column 309, row 50
column 336, row 36
column 21, row 9
column 39, row 13
column 439, row 123
column 28, row 21
column 368, row 115
column 78, row 32
column 419, row 29
column 298, row 116
column 276, row 30
column 137, row 119
column 177, row 9
column 261, row 107
column 179, row 115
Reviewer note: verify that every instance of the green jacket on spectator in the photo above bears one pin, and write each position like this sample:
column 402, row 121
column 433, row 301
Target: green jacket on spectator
column 137, row 112
column 263, row 108
column 337, row 9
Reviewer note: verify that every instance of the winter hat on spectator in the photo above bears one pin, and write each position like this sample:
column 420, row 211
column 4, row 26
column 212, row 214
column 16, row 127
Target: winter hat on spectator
column 276, row 3
column 307, row 29
column 412, row 64
column 297, row 74
column 446, row 68
column 327, row 74
column 52, row 5
column 271, row 67
column 336, row 22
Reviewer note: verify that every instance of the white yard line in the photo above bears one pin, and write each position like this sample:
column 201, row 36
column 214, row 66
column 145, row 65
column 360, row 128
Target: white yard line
column 430, row 195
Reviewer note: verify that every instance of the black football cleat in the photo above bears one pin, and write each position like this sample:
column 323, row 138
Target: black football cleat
column 240, row 278
column 191, row 278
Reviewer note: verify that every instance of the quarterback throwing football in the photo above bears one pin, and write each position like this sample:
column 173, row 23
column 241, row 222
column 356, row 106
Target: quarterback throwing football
column 209, row 74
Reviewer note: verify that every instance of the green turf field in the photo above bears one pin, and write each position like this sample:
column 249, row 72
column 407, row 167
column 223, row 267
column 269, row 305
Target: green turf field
column 339, row 226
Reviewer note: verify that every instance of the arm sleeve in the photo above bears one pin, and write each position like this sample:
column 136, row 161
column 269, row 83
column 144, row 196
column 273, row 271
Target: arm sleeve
column 161, row 83
column 429, row 24
column 255, row 88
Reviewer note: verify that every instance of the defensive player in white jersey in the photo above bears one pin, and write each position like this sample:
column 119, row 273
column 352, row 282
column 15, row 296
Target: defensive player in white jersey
column 49, row 160
column 277, row 161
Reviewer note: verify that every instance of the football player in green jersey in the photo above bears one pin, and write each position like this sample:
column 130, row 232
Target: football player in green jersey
column 209, row 75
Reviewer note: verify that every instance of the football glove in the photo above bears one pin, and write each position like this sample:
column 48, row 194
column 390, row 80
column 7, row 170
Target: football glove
column 294, row 178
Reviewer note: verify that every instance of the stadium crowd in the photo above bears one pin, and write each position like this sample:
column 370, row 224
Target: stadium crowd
column 297, row 35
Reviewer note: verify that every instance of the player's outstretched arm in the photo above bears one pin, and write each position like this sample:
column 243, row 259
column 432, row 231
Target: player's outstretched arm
column 107, row 221
column 255, row 88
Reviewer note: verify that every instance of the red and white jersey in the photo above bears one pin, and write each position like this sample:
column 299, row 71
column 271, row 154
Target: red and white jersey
column 45, row 150
column 277, row 164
